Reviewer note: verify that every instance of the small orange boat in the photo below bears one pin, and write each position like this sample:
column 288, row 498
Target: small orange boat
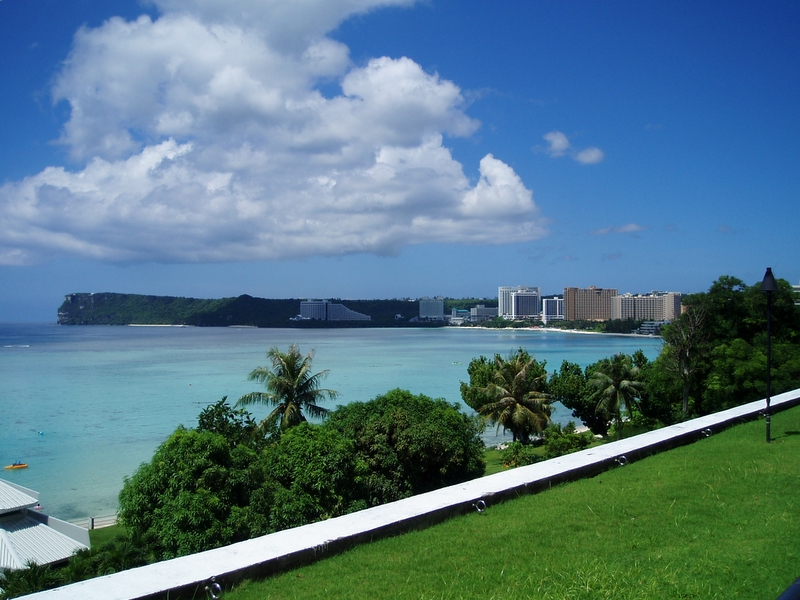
column 17, row 465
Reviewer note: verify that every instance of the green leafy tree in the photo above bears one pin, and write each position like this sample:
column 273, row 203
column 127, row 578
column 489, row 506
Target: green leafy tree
column 685, row 348
column 517, row 400
column 738, row 372
column 570, row 386
column 235, row 425
column 123, row 552
column 737, row 375
column 291, row 388
column 725, row 309
column 481, row 372
column 487, row 379
column 313, row 468
column 660, row 399
column 731, row 370
column 195, row 494
column 81, row 566
column 617, row 386
column 407, row 444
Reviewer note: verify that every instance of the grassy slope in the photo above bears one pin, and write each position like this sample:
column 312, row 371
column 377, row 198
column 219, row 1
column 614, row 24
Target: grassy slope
column 716, row 519
column 104, row 535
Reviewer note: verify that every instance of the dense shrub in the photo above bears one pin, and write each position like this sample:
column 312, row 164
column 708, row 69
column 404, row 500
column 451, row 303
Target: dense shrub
column 195, row 494
column 517, row 454
column 406, row 444
column 312, row 470
column 564, row 440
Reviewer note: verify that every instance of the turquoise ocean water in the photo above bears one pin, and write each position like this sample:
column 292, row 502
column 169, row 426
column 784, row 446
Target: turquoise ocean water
column 84, row 406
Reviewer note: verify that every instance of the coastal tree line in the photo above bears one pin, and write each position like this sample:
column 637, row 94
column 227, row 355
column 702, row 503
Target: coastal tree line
column 231, row 478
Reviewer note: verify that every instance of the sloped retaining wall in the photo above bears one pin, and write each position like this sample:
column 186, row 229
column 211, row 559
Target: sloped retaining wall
column 287, row 549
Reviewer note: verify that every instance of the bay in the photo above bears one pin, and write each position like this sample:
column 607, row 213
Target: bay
column 84, row 406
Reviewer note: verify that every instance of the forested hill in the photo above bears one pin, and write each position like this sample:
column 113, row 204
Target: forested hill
column 127, row 309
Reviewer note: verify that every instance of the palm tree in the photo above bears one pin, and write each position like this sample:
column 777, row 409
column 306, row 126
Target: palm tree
column 617, row 385
column 516, row 400
column 291, row 388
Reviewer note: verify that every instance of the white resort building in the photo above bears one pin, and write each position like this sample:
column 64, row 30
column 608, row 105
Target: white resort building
column 519, row 302
column 325, row 310
column 552, row 309
column 30, row 536
column 431, row 309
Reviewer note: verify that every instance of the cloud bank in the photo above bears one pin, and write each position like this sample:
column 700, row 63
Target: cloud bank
column 203, row 135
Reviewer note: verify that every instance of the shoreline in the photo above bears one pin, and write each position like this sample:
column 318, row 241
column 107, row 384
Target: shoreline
column 447, row 327
column 558, row 330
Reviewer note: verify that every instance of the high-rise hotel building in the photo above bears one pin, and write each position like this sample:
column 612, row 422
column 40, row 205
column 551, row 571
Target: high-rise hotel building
column 325, row 310
column 658, row 306
column 519, row 302
column 431, row 308
column 588, row 304
column 552, row 309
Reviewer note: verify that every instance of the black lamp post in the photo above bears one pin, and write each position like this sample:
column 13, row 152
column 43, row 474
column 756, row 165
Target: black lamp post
column 769, row 286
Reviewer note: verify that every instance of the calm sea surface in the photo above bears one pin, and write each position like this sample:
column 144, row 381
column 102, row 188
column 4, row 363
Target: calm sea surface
column 84, row 406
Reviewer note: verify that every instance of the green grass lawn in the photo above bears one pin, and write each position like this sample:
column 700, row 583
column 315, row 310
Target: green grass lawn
column 103, row 535
column 494, row 461
column 716, row 519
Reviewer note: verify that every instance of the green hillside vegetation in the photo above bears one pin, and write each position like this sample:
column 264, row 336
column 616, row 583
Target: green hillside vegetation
column 467, row 303
column 715, row 519
column 126, row 309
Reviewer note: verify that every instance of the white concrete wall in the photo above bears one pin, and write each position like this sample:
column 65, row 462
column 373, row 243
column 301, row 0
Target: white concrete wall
column 72, row 531
column 286, row 549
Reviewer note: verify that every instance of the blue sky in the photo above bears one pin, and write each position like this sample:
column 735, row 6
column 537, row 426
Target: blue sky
column 392, row 148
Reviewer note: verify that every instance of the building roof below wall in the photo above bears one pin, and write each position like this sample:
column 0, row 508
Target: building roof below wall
column 14, row 497
column 28, row 536
column 24, row 539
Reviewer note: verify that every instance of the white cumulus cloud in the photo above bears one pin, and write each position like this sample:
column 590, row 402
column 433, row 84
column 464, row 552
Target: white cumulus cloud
column 559, row 145
column 203, row 135
column 590, row 156
column 628, row 228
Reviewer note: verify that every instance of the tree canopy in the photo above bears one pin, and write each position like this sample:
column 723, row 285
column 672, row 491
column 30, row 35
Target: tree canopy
column 195, row 494
column 718, row 347
column 407, row 444
column 221, row 482
column 570, row 386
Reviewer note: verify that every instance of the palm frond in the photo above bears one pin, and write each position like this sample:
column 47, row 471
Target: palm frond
column 291, row 387
column 267, row 398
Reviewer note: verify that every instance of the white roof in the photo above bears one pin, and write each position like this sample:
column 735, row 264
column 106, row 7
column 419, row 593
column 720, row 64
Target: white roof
column 14, row 497
column 28, row 536
column 25, row 539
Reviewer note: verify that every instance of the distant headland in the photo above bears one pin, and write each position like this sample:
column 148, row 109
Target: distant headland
column 138, row 309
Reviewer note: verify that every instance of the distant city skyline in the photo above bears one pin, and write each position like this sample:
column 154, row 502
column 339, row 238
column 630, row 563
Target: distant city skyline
column 393, row 148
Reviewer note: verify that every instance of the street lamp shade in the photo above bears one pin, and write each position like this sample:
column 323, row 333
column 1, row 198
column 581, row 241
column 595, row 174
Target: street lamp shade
column 769, row 284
